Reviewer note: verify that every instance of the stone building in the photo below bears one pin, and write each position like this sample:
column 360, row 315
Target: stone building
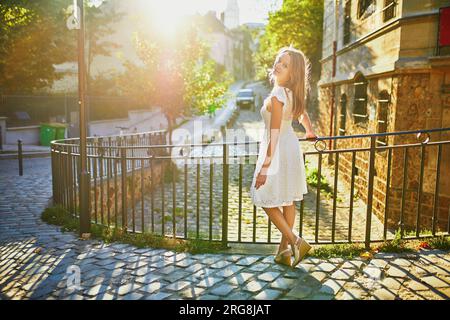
column 383, row 70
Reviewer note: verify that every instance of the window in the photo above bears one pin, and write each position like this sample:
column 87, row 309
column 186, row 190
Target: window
column 382, row 116
column 360, row 100
column 366, row 8
column 347, row 21
column 343, row 114
column 389, row 10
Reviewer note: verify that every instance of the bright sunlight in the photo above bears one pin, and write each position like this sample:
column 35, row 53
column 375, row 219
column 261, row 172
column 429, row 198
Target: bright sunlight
column 167, row 15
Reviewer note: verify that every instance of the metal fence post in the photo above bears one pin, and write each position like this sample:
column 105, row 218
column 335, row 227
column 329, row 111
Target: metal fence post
column 123, row 158
column 225, row 194
column 373, row 140
column 20, row 156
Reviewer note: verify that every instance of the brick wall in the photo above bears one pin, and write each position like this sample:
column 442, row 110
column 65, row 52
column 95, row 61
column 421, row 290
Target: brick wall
column 416, row 103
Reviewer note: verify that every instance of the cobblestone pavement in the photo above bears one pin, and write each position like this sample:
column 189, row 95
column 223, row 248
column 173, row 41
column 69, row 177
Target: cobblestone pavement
column 37, row 261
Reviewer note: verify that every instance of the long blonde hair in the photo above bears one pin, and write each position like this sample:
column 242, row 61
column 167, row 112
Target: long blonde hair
column 299, row 82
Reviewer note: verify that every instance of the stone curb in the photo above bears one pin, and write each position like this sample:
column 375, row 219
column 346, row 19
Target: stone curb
column 25, row 155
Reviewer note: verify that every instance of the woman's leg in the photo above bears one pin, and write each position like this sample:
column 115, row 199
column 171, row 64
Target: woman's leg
column 280, row 222
column 289, row 216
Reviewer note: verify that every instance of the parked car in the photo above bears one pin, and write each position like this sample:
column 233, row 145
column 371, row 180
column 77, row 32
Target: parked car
column 246, row 99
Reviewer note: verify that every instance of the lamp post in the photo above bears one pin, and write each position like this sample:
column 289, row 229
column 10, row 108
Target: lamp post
column 85, row 225
column 76, row 21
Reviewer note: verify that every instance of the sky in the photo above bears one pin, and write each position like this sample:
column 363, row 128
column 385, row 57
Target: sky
column 249, row 10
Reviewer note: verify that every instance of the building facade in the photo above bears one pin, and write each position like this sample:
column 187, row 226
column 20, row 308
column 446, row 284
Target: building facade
column 383, row 70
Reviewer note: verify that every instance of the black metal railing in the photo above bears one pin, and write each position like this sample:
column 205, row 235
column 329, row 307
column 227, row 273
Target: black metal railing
column 201, row 191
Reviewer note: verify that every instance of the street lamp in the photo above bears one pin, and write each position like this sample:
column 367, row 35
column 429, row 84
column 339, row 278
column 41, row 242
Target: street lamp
column 76, row 21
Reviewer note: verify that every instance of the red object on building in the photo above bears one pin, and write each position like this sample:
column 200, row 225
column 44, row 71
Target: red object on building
column 444, row 27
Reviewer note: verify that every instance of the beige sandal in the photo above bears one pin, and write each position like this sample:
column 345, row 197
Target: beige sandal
column 283, row 258
column 300, row 249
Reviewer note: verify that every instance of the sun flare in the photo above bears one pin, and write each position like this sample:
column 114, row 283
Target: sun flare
column 166, row 15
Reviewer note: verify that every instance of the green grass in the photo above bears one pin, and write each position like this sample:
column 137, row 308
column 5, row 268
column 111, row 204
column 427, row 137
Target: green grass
column 57, row 215
column 348, row 251
column 179, row 213
column 441, row 243
column 412, row 233
column 171, row 171
column 312, row 178
column 395, row 245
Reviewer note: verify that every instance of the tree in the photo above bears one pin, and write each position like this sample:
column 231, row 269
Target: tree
column 205, row 89
column 178, row 76
column 264, row 57
column 99, row 24
column 33, row 37
column 298, row 22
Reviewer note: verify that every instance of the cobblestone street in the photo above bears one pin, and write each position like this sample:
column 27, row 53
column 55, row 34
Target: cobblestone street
column 38, row 261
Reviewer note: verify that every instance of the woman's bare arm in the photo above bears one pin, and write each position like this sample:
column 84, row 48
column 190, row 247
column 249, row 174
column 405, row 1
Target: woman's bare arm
column 306, row 122
column 275, row 124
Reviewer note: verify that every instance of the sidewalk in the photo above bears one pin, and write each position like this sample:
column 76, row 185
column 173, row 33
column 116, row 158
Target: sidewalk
column 38, row 261
column 10, row 151
column 206, row 125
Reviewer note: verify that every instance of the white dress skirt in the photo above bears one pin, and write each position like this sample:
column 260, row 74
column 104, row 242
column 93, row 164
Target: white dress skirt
column 286, row 176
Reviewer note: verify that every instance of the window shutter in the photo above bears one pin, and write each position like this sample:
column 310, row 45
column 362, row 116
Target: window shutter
column 444, row 27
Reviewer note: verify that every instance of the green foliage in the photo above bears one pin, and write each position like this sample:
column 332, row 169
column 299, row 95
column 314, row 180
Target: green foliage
column 298, row 22
column 349, row 251
column 57, row 215
column 265, row 56
column 170, row 172
column 441, row 242
column 98, row 26
column 197, row 246
column 33, row 37
column 395, row 245
column 179, row 212
column 412, row 233
column 180, row 77
column 312, row 178
column 206, row 91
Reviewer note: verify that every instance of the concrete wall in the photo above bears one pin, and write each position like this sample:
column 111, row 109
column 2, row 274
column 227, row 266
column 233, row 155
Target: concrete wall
column 28, row 135
column 138, row 121
column 419, row 31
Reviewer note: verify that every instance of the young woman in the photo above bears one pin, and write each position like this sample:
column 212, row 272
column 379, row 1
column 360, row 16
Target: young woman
column 279, row 177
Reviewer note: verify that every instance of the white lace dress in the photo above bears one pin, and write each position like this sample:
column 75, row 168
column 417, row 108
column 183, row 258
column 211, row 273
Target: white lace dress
column 286, row 177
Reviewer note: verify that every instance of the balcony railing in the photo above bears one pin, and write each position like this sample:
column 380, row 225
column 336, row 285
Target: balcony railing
column 201, row 191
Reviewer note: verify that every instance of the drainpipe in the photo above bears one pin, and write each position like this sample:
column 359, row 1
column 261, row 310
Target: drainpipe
column 333, row 87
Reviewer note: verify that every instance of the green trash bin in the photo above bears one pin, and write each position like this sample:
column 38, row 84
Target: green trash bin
column 60, row 131
column 47, row 134
column 51, row 131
